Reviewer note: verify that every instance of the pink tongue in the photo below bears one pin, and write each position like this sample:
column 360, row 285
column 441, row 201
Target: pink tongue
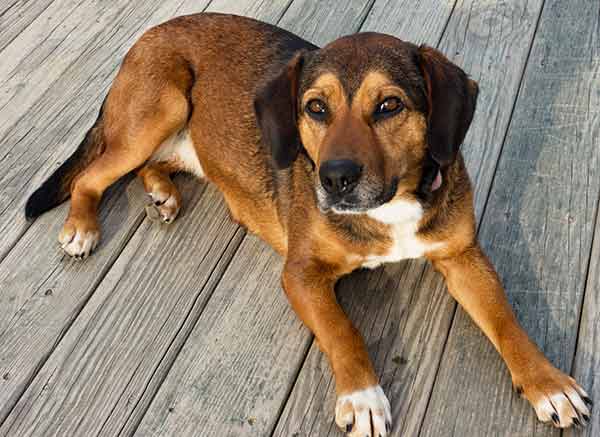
column 437, row 182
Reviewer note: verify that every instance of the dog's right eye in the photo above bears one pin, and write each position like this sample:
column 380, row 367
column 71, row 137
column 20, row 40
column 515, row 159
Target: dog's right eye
column 317, row 109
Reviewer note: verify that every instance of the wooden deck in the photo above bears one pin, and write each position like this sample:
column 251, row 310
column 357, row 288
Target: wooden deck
column 144, row 339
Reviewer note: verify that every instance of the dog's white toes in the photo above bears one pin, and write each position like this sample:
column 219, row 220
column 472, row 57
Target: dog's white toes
column 164, row 207
column 562, row 406
column 355, row 412
column 79, row 244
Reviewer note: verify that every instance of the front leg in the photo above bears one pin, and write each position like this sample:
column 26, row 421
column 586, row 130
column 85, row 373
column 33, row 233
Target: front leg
column 555, row 396
column 362, row 408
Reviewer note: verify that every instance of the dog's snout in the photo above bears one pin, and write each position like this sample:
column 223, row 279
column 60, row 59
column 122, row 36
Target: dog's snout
column 339, row 176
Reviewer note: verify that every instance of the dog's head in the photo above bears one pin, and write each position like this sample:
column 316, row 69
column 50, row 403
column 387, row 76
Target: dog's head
column 377, row 116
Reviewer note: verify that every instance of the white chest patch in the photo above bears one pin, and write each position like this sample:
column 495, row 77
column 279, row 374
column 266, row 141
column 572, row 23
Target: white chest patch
column 179, row 147
column 403, row 217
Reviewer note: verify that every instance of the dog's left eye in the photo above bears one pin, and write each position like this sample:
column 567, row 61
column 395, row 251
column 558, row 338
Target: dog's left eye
column 389, row 106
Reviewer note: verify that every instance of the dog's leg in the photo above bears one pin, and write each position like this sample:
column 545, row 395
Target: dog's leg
column 136, row 121
column 361, row 401
column 473, row 282
column 166, row 200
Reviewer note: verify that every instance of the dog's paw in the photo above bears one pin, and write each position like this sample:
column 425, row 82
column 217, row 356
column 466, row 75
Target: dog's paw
column 78, row 239
column 164, row 207
column 356, row 411
column 556, row 398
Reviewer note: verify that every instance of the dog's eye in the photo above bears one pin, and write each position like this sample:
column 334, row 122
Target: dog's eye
column 316, row 109
column 390, row 106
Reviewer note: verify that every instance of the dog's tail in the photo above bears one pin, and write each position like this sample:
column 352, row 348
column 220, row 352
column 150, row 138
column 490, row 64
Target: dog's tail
column 56, row 189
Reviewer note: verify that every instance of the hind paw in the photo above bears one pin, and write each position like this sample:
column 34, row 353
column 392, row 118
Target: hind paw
column 164, row 207
column 79, row 240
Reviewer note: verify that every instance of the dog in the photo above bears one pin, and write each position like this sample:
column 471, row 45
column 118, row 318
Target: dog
column 340, row 157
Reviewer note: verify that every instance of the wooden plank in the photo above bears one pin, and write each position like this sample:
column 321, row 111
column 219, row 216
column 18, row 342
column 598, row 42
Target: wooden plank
column 40, row 140
column 122, row 298
column 16, row 16
column 418, row 22
column 265, row 10
column 586, row 368
column 232, row 373
column 45, row 50
column 537, row 228
column 127, row 331
column 43, row 290
column 322, row 22
column 426, row 310
column 30, row 327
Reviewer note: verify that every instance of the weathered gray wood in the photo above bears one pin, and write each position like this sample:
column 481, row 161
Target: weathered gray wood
column 586, row 368
column 48, row 128
column 321, row 22
column 17, row 15
column 43, row 291
column 418, row 22
column 483, row 54
column 41, row 54
column 129, row 328
column 117, row 401
column 265, row 10
column 537, row 228
column 231, row 376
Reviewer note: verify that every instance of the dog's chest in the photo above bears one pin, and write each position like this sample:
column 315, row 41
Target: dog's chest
column 403, row 218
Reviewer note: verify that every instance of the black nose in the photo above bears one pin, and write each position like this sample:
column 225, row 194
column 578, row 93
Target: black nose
column 339, row 176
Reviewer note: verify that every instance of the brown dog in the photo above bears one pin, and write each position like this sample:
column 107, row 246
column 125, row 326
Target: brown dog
column 341, row 157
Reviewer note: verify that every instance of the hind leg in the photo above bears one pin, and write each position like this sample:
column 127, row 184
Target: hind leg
column 81, row 233
column 130, row 142
column 166, row 200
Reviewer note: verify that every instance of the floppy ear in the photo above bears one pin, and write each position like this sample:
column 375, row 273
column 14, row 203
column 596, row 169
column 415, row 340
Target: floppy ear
column 276, row 108
column 452, row 97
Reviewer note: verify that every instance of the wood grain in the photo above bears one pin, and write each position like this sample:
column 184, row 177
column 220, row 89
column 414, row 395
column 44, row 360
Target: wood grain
column 537, row 228
column 129, row 326
column 232, row 375
column 322, row 22
column 470, row 39
column 419, row 22
column 43, row 290
column 17, row 15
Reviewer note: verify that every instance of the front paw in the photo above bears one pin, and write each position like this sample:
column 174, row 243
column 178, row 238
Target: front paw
column 555, row 396
column 355, row 413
